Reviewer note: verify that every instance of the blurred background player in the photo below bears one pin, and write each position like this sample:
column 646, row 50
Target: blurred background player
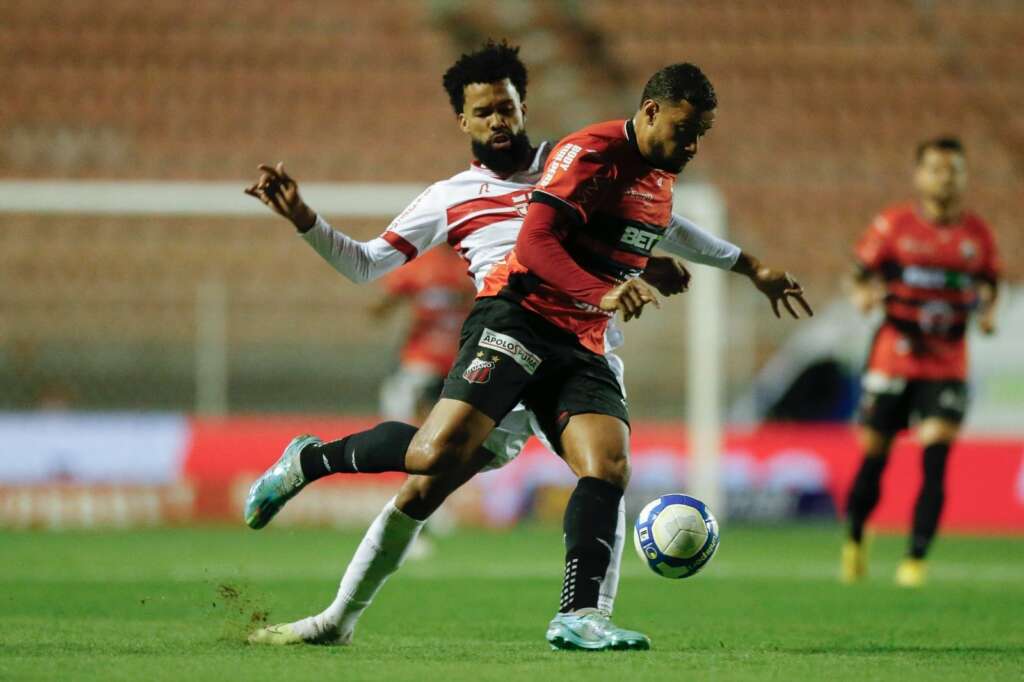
column 929, row 264
column 439, row 294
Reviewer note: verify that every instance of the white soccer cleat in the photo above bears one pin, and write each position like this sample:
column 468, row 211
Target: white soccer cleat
column 302, row 631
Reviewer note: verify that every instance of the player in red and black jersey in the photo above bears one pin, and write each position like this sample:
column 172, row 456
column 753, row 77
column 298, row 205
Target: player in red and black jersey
column 536, row 333
column 930, row 265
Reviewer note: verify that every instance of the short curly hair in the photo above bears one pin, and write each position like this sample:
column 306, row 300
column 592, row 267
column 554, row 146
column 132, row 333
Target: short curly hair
column 683, row 81
column 492, row 62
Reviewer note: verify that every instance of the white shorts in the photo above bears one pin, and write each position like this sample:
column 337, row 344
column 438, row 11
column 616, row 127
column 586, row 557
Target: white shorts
column 509, row 437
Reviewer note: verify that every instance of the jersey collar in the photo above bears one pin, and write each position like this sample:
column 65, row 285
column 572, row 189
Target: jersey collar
column 630, row 130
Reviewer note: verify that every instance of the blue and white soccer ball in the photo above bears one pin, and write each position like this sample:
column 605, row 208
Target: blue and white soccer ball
column 676, row 535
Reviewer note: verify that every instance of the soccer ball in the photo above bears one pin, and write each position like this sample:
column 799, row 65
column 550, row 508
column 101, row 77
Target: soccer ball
column 676, row 535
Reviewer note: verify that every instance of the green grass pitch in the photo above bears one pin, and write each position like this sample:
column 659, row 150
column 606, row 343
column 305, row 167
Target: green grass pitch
column 175, row 605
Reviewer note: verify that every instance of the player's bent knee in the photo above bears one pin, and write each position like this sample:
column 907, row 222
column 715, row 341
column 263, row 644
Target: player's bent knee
column 436, row 456
column 874, row 443
column 615, row 470
column 933, row 431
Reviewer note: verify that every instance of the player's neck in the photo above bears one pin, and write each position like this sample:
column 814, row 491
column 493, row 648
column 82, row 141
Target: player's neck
column 941, row 212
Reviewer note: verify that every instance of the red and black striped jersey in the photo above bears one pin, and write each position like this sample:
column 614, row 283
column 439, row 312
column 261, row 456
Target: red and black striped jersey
column 931, row 274
column 613, row 206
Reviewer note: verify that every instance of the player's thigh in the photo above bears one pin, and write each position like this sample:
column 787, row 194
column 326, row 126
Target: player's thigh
column 584, row 414
column 449, row 438
column 940, row 407
column 884, row 405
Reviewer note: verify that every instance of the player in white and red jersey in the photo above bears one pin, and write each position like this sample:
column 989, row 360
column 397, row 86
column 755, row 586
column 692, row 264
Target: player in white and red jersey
column 468, row 212
column 930, row 264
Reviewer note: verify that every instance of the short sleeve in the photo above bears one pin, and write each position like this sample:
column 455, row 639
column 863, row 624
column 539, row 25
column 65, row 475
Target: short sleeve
column 873, row 247
column 575, row 177
column 417, row 228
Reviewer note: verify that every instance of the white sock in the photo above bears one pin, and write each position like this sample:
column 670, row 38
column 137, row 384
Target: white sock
column 610, row 584
column 380, row 553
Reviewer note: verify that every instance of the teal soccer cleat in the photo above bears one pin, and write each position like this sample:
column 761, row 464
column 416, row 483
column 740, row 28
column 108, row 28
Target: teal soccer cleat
column 278, row 484
column 592, row 631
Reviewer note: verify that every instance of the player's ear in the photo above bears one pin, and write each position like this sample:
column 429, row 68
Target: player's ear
column 463, row 123
column 522, row 107
column 650, row 109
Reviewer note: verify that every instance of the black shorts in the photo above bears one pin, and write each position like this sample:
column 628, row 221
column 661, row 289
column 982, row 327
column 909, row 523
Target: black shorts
column 891, row 404
column 508, row 355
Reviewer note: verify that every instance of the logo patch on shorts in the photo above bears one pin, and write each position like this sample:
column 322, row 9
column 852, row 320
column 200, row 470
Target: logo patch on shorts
column 509, row 346
column 479, row 371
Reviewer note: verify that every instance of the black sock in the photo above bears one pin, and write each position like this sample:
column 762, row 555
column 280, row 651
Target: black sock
column 381, row 448
column 589, row 525
column 930, row 499
column 864, row 494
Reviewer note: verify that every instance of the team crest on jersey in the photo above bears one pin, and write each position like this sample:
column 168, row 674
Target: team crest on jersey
column 968, row 249
column 480, row 370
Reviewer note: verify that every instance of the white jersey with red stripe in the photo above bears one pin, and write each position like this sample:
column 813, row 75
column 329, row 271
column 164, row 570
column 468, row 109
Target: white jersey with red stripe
column 477, row 212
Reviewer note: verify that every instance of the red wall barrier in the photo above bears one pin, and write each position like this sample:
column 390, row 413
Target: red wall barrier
column 985, row 480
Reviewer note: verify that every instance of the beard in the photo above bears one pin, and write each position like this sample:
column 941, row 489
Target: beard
column 504, row 161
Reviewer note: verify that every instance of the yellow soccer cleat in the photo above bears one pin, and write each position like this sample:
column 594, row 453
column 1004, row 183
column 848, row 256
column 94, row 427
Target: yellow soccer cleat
column 911, row 573
column 853, row 562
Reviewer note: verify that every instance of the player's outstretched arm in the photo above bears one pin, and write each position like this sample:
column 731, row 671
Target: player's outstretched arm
column 777, row 285
column 280, row 192
column 358, row 261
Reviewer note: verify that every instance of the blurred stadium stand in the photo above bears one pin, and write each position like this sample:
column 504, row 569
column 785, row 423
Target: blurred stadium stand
column 820, row 107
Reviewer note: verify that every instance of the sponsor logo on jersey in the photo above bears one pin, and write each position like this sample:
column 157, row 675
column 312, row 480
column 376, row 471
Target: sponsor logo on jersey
column 509, row 346
column 935, row 278
column 641, row 240
column 480, row 370
column 562, row 159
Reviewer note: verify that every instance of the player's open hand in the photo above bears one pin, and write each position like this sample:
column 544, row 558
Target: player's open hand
column 630, row 297
column 779, row 286
column 667, row 275
column 280, row 192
